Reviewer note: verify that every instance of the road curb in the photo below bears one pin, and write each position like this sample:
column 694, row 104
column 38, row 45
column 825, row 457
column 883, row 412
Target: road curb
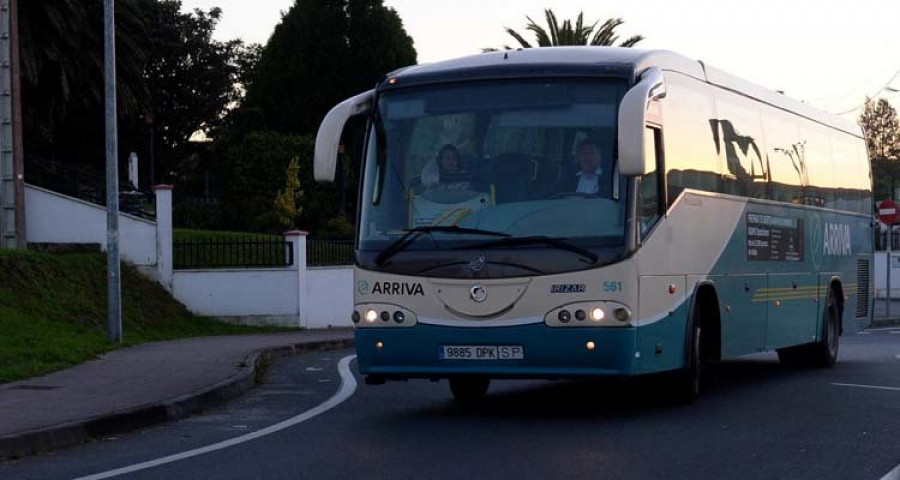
column 43, row 440
column 885, row 322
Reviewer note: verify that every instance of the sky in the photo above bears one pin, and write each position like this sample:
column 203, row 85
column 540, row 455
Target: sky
column 830, row 54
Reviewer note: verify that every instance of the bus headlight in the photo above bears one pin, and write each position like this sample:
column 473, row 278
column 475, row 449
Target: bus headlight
column 599, row 314
column 371, row 314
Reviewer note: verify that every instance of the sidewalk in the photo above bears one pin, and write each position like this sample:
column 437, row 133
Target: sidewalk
column 135, row 387
column 881, row 318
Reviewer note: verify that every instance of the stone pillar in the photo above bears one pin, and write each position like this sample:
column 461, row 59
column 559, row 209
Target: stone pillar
column 298, row 244
column 164, row 256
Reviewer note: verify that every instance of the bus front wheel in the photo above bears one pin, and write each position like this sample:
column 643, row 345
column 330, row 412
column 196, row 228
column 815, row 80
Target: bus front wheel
column 468, row 390
column 685, row 384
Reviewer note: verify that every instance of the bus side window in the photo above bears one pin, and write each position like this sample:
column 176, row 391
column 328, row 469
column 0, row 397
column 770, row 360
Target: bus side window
column 649, row 188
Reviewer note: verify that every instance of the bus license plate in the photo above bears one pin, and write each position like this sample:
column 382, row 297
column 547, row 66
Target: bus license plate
column 482, row 352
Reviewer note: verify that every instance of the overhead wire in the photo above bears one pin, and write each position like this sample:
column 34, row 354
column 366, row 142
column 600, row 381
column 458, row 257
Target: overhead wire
column 883, row 88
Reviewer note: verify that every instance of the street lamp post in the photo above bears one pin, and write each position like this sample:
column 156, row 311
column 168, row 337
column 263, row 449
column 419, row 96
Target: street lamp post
column 113, row 269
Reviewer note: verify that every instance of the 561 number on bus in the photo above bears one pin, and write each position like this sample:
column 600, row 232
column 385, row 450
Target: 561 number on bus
column 612, row 287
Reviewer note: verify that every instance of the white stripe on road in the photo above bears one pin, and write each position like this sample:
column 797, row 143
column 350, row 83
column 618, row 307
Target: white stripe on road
column 872, row 387
column 883, row 329
column 893, row 474
column 348, row 386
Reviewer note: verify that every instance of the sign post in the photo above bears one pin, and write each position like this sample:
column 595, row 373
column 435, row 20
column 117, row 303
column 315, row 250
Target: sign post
column 887, row 213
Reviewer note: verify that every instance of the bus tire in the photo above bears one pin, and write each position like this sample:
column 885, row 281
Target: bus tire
column 468, row 390
column 686, row 383
column 823, row 353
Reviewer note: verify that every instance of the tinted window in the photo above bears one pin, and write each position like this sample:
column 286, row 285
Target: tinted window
column 690, row 137
column 740, row 141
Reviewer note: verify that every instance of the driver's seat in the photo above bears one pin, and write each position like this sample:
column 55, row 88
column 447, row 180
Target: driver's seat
column 512, row 177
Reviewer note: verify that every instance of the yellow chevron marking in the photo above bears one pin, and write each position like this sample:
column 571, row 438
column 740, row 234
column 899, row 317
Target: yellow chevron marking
column 771, row 294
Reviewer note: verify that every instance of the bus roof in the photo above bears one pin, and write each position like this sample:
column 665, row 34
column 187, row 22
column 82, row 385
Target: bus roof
column 634, row 59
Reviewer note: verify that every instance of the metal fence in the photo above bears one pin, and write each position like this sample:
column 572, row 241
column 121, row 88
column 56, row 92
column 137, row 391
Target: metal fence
column 85, row 185
column 250, row 251
column 326, row 252
column 881, row 241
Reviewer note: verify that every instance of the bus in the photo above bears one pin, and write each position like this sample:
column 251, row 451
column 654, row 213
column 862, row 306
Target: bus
column 583, row 212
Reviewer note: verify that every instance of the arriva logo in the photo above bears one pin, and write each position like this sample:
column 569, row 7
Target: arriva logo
column 837, row 239
column 362, row 287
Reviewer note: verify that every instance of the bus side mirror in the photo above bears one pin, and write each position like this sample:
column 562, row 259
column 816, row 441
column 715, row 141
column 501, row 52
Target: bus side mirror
column 633, row 160
column 328, row 139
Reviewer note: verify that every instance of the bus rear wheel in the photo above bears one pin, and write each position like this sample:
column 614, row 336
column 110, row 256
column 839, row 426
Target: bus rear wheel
column 467, row 390
column 823, row 353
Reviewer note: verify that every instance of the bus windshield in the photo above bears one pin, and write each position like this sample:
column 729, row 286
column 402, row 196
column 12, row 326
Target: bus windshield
column 523, row 171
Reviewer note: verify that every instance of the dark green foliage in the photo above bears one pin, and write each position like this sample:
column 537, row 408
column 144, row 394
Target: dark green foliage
column 337, row 228
column 170, row 71
column 53, row 312
column 191, row 79
column 322, row 52
column 61, row 44
column 255, row 168
column 882, row 128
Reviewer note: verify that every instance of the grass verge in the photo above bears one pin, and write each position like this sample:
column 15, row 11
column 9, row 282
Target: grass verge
column 53, row 313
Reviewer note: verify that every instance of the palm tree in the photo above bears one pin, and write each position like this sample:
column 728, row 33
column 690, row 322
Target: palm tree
column 61, row 47
column 579, row 34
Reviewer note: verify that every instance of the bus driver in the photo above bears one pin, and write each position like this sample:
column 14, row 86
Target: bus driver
column 589, row 173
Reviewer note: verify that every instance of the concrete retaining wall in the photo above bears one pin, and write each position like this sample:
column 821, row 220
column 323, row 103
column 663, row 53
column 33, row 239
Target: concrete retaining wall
column 57, row 218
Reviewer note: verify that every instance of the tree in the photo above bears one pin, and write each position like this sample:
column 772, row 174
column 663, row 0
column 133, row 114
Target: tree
column 61, row 44
column 322, row 52
column 286, row 208
column 174, row 80
column 256, row 167
column 192, row 80
column 882, row 129
column 578, row 34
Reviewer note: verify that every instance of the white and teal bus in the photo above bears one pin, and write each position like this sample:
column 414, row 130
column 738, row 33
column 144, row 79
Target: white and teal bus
column 720, row 219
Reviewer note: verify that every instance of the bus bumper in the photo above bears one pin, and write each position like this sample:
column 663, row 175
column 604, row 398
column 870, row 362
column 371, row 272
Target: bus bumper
column 548, row 352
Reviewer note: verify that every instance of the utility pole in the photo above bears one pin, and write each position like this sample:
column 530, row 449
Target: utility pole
column 113, row 269
column 12, row 183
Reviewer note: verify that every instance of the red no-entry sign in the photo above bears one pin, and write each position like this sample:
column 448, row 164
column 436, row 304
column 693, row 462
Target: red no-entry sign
column 887, row 212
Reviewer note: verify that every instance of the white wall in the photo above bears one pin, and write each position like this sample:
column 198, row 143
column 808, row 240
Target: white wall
column 330, row 297
column 880, row 275
column 271, row 294
column 56, row 218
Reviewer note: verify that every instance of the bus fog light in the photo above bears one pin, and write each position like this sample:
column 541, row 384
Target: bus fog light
column 580, row 315
column 354, row 316
column 564, row 316
column 621, row 314
column 399, row 317
column 371, row 316
column 379, row 345
column 597, row 314
column 590, row 345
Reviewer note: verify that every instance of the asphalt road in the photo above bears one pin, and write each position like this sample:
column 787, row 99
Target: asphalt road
column 759, row 420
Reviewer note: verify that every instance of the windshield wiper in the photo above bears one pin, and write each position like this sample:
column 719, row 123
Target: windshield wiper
column 537, row 240
column 409, row 237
